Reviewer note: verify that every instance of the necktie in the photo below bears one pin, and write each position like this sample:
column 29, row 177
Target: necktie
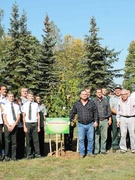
column 13, row 112
column 30, row 111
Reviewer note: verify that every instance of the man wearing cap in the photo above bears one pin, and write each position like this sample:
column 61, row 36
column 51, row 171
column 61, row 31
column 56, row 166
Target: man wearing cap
column 115, row 130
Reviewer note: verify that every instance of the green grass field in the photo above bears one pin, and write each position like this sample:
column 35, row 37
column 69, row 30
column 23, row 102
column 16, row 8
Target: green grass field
column 102, row 167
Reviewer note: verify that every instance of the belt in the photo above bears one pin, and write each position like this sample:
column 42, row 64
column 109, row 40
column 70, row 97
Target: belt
column 102, row 119
column 85, row 123
column 127, row 116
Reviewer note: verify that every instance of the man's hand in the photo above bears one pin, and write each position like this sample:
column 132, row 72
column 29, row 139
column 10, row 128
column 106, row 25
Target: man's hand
column 95, row 124
column 25, row 129
column 109, row 122
column 118, row 123
column 38, row 129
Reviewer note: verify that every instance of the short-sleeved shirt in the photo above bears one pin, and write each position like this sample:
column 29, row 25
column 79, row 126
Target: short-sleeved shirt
column 8, row 112
column 3, row 100
column 24, row 100
column 1, row 121
column 42, row 114
column 34, row 111
column 114, row 102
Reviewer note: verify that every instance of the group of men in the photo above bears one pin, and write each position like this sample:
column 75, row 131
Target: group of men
column 105, row 121
column 21, row 118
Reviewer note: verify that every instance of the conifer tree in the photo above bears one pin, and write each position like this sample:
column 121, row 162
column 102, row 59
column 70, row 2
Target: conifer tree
column 1, row 26
column 46, row 66
column 21, row 54
column 97, row 65
column 129, row 70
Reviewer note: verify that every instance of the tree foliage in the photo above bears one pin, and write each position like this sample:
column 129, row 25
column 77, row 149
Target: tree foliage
column 129, row 71
column 98, row 70
column 20, row 55
column 47, row 67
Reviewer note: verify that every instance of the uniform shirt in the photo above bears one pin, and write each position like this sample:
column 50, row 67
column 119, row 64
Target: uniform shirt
column 3, row 100
column 125, row 108
column 24, row 100
column 114, row 102
column 103, row 107
column 1, row 120
column 20, row 123
column 86, row 113
column 8, row 112
column 34, row 111
column 43, row 113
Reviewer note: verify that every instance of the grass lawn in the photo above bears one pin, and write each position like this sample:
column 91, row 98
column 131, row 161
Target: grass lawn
column 108, row 167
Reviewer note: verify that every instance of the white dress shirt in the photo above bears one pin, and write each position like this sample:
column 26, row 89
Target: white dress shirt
column 8, row 112
column 1, row 120
column 34, row 111
column 3, row 100
column 125, row 108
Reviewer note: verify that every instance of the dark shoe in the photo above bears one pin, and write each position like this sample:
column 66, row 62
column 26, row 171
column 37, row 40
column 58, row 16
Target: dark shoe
column 114, row 150
column 122, row 152
column 104, row 153
column 29, row 157
column 7, row 159
column 91, row 155
column 14, row 159
column 81, row 156
column 2, row 157
column 38, row 156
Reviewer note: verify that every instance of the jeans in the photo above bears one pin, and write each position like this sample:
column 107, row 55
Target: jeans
column 86, row 130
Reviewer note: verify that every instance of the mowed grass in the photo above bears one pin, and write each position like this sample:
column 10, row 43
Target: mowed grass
column 102, row 167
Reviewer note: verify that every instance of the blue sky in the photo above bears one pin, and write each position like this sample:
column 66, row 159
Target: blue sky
column 115, row 19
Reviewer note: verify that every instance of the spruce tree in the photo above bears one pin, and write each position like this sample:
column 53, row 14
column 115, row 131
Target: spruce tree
column 97, row 64
column 129, row 70
column 46, row 66
column 21, row 55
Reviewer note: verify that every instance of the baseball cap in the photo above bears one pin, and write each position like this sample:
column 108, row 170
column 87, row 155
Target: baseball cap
column 118, row 86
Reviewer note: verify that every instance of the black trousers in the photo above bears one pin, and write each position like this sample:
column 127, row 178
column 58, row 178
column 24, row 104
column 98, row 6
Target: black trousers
column 1, row 126
column 20, row 143
column 32, row 136
column 41, row 135
column 68, row 139
column 10, row 142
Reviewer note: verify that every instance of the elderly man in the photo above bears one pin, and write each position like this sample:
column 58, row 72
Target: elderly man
column 126, row 120
column 87, row 113
column 24, row 92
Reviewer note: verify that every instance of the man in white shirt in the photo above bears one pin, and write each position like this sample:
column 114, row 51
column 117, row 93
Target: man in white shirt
column 11, row 117
column 24, row 92
column 31, row 120
column 3, row 101
column 126, row 120
column 3, row 94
